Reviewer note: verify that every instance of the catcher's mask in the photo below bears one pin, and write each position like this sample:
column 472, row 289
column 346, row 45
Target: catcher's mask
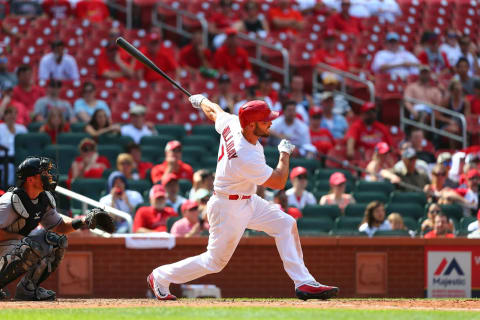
column 38, row 165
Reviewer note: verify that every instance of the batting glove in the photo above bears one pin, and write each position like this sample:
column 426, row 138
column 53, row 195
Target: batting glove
column 286, row 146
column 196, row 100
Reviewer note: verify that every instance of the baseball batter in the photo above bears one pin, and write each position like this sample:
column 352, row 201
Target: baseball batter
column 235, row 206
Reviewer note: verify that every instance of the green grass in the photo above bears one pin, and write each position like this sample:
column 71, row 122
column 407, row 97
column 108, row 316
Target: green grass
column 233, row 313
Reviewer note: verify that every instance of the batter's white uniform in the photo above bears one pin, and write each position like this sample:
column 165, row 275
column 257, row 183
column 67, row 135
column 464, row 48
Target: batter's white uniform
column 241, row 167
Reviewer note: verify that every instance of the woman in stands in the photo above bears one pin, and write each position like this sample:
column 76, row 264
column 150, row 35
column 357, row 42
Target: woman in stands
column 89, row 164
column 427, row 224
column 434, row 189
column 85, row 106
column 252, row 22
column 377, row 168
column 55, row 124
column 337, row 195
column 126, row 166
column 374, row 219
column 100, row 124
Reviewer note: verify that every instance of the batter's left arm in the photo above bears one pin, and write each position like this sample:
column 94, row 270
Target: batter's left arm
column 211, row 109
column 279, row 176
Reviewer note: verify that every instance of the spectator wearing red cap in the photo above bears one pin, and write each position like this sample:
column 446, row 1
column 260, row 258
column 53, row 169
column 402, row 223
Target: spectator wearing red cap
column 378, row 167
column 337, row 195
column 298, row 196
column 230, row 56
column 440, row 228
column 343, row 22
column 172, row 188
column 89, row 164
column 138, row 127
column 329, row 53
column 154, row 217
column 192, row 223
column 195, row 55
column 113, row 63
column 466, row 197
column 366, row 132
column 322, row 139
column 280, row 198
column 26, row 91
column 173, row 164
column 162, row 56
column 473, row 229
column 283, row 18
column 334, row 122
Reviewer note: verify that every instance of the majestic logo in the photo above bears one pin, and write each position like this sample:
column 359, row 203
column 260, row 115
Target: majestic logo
column 453, row 266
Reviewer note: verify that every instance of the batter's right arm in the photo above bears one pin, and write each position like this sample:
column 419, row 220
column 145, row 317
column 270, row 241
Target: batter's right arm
column 211, row 110
column 279, row 176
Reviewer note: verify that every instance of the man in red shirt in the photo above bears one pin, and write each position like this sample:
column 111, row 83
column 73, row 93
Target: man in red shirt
column 329, row 53
column 195, row 55
column 92, row 10
column 114, row 63
column 366, row 132
column 173, row 164
column 57, row 9
column 163, row 57
column 231, row 57
column 136, row 152
column 26, row 92
column 321, row 138
column 285, row 19
column 343, row 22
column 153, row 218
column 440, row 228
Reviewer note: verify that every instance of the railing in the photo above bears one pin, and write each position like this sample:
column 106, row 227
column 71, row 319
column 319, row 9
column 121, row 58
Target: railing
column 342, row 76
column 127, row 9
column 431, row 127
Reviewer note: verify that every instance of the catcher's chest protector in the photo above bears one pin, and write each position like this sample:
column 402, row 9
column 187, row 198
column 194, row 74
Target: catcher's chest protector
column 26, row 209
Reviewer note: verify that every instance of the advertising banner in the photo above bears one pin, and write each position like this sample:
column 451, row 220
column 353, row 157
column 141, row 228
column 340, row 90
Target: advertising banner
column 449, row 274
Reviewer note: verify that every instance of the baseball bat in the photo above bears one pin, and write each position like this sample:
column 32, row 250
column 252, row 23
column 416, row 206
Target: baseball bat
column 134, row 52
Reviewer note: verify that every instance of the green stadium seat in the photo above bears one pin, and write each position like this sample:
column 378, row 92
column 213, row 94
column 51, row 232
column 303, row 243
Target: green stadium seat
column 34, row 126
column 465, row 221
column 71, row 138
column 158, row 142
column 91, row 188
column 452, row 210
column 313, row 233
column 114, row 139
column 376, row 186
column 204, row 141
column 391, row 233
column 408, row 197
column 107, row 172
column 111, row 151
column 271, row 153
column 30, row 144
column 205, row 130
column 210, row 162
column 369, row 196
column 314, row 211
column 321, row 223
column 411, row 223
column 255, row 233
column 140, row 185
column 152, row 154
column 63, row 202
column 175, row 130
column 171, row 221
column 310, row 164
column 347, row 233
column 185, row 186
column 319, row 193
column 63, row 155
column 325, row 173
column 347, row 223
column 78, row 127
column 413, row 210
column 192, row 154
column 324, row 185
column 355, row 210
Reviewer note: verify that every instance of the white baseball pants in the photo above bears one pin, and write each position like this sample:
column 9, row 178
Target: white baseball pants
column 228, row 220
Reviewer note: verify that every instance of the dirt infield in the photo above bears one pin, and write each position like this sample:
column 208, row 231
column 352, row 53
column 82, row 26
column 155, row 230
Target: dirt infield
column 419, row 304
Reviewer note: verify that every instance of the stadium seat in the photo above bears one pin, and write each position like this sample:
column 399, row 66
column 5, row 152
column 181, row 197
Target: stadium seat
column 174, row 130
column 152, row 154
column 192, row 154
column 204, row 141
column 347, row 233
column 454, row 211
column 159, row 141
column 377, row 186
column 310, row 164
column 30, row 144
column 324, row 186
column 63, row 155
column 140, row 185
column 171, row 221
column 413, row 210
column 355, row 210
column 411, row 223
column 325, row 173
column 34, row 126
column 110, row 151
column 314, row 211
column 391, row 233
column 113, row 139
column 71, row 138
column 185, row 185
column 320, row 223
column 210, row 162
column 348, row 223
column 369, row 196
column 255, row 233
column 91, row 188
column 78, row 127
column 408, row 197
column 465, row 221
column 204, row 129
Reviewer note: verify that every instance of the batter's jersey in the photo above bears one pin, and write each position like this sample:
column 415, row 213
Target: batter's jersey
column 241, row 165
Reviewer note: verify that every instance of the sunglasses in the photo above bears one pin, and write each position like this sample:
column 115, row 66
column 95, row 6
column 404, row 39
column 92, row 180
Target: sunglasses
column 302, row 176
column 126, row 163
column 434, row 211
column 87, row 148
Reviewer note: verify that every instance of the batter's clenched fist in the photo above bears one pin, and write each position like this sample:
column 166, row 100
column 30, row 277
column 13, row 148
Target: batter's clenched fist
column 196, row 100
column 286, row 146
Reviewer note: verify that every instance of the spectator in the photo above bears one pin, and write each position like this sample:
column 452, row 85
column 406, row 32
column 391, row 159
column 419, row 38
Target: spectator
column 280, row 198
column 288, row 126
column 138, row 128
column 466, row 197
column 173, row 164
column 435, row 188
column 283, row 18
column 93, row 10
column 411, row 175
column 343, row 22
column 195, row 55
column 162, row 57
column 57, row 9
column 52, row 100
column 422, row 146
column 337, row 195
column 474, row 226
column 322, row 139
column 8, row 130
column 201, row 197
column 462, row 68
column 374, row 219
column 366, row 132
column 202, row 179
column 25, row 8
column 423, row 90
column 192, row 224
column 420, row 165
column 6, row 99
column 263, row 193
column 154, row 217
column 394, row 60
column 450, row 47
column 7, row 79
column 142, row 166
column 266, row 91
column 222, row 19
column 26, row 92
column 126, row 166
column 396, row 221
column 100, row 124
column 172, row 188
column 253, row 23
column 230, row 56
column 378, row 168
column 58, row 65
column 55, row 124
column 87, row 104
column 431, row 55
column 468, row 52
column 121, row 198
column 445, row 159
column 432, row 211
column 303, row 100
column 361, row 66
column 89, row 164
column 250, row 94
column 113, row 63
column 334, row 122
column 298, row 196
column 456, row 171
column 225, row 97
column 340, row 103
column 329, row 53
column 440, row 228
column 475, row 101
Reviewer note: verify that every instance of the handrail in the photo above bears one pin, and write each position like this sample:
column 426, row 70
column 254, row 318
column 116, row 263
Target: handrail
column 127, row 9
column 87, row 200
column 432, row 128
column 343, row 75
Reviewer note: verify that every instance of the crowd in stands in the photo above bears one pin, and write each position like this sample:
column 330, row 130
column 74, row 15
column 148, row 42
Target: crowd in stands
column 61, row 70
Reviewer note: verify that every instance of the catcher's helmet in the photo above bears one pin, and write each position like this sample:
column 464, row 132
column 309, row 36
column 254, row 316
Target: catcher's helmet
column 256, row 110
column 38, row 165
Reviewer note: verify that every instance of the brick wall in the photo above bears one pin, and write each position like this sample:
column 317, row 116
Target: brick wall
column 256, row 269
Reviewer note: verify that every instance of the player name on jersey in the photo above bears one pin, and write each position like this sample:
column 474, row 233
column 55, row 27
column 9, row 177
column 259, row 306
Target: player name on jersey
column 230, row 145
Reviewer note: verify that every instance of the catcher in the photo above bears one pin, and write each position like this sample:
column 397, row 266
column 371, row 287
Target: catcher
column 28, row 250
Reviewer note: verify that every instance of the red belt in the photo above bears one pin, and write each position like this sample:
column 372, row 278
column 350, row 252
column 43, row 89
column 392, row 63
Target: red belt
column 235, row 196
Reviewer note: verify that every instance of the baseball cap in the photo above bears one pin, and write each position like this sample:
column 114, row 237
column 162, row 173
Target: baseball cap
column 443, row 157
column 230, row 31
column 87, row 143
column 157, row 191
column 337, row 178
column 392, row 36
column 189, row 205
column 367, row 106
column 409, row 153
column 315, row 111
column 138, row 109
column 168, row 178
column 297, row 171
column 326, row 95
column 472, row 173
column 200, row 194
column 382, row 147
column 329, row 77
column 171, row 145
column 256, row 110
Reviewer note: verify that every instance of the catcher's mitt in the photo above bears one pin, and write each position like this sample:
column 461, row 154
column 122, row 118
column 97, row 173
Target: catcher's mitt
column 98, row 218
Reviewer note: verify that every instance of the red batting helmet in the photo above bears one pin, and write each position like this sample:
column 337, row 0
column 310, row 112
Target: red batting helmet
column 256, row 110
